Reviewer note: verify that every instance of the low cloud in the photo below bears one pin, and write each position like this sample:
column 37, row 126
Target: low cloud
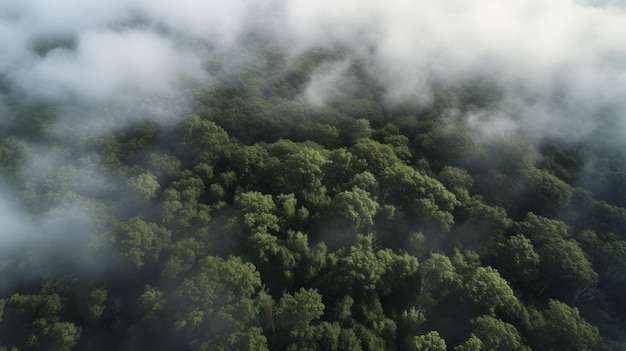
column 558, row 64
column 13, row 224
column 118, row 49
column 105, row 65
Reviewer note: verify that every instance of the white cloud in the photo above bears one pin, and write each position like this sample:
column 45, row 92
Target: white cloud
column 123, row 48
column 14, row 226
column 108, row 64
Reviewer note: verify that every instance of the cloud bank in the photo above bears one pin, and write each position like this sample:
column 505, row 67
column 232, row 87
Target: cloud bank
column 538, row 52
column 559, row 64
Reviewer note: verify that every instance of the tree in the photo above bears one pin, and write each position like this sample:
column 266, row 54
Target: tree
column 299, row 169
column 482, row 222
column 263, row 246
column 362, row 271
column 144, row 186
column 258, row 211
column 197, row 135
column 296, row 312
column 183, row 207
column 302, row 167
column 251, row 163
column 359, row 270
column 544, row 193
column 448, row 142
column 152, row 302
column 342, row 166
column 430, row 341
column 400, row 145
column 611, row 261
column 488, row 291
column 35, row 322
column 471, row 344
column 418, row 195
column 287, row 207
column 378, row 157
column 437, row 276
column 494, row 335
column 357, row 129
column 182, row 256
column 97, row 299
column 215, row 308
column 55, row 335
column 565, row 329
column 562, row 259
column 516, row 258
column 457, row 180
column 355, row 207
column 162, row 165
column 364, row 180
column 324, row 134
column 140, row 242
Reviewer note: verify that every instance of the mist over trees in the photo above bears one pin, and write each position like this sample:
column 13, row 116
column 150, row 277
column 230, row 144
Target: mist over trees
column 172, row 178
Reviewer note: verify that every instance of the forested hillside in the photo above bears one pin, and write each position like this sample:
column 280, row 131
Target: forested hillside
column 261, row 218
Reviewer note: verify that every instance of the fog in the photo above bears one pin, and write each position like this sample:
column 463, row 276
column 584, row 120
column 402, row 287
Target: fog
column 117, row 51
column 61, row 237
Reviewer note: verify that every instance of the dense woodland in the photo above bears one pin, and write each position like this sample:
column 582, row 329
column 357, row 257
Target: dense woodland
column 260, row 220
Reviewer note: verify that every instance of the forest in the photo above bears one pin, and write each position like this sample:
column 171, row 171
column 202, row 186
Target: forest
column 261, row 220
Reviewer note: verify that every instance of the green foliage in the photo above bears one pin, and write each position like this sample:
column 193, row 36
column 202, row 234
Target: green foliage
column 357, row 129
column 297, row 311
column 355, row 207
column 302, row 173
column 495, row 334
column 262, row 221
column 544, row 193
column 418, row 195
column 456, row 180
column 516, row 258
column 378, row 157
column 564, row 329
column 98, row 298
column 152, row 302
column 217, row 298
column 488, row 291
column 561, row 257
column 144, row 186
column 198, row 135
column 361, row 270
column 258, row 212
column 182, row 256
column 430, row 341
column 39, row 315
column 437, row 276
column 46, row 335
column 365, row 181
column 162, row 165
column 471, row 344
column 140, row 242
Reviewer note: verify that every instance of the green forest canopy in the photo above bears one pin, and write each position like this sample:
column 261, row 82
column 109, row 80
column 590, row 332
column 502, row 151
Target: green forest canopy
column 261, row 221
